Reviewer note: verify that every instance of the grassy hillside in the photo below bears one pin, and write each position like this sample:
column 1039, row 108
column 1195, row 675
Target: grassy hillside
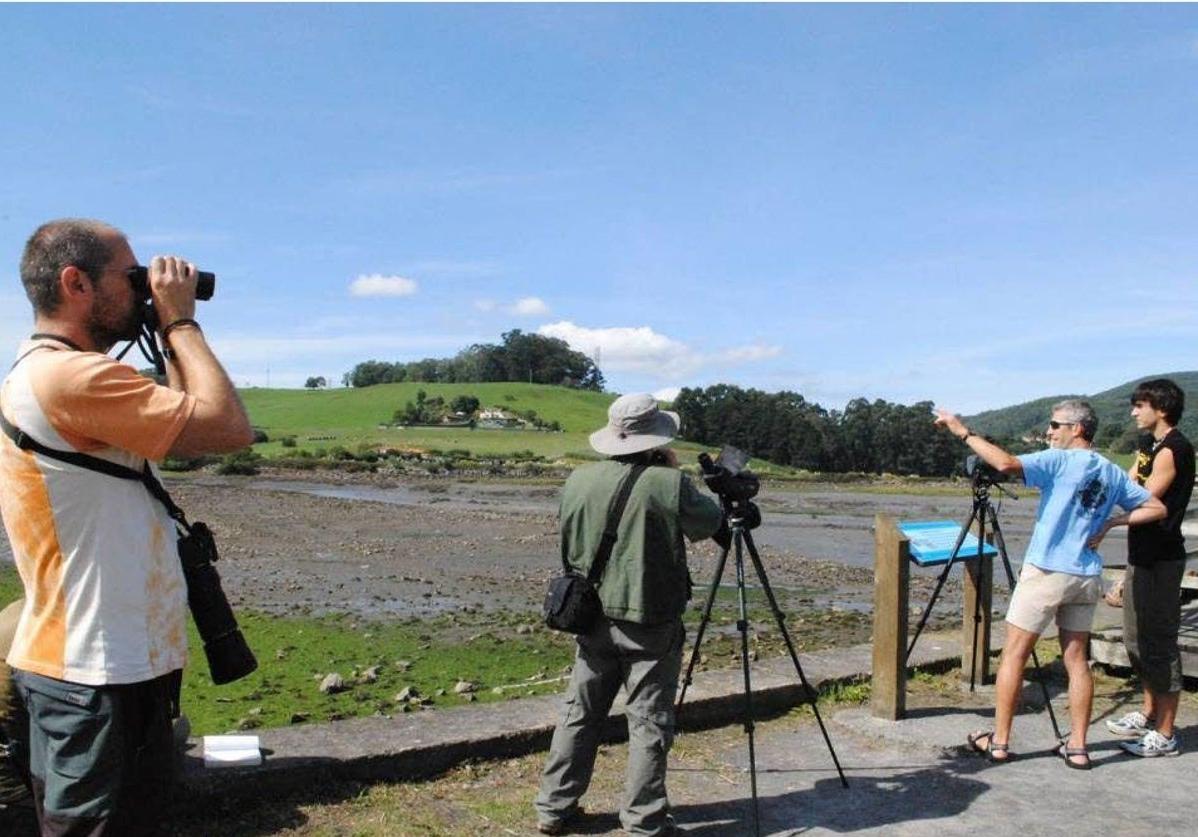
column 296, row 411
column 1112, row 406
column 351, row 417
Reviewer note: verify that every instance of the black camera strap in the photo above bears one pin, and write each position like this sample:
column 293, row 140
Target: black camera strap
column 614, row 514
column 92, row 463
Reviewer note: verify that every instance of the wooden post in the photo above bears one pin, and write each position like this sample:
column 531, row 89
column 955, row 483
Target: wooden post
column 978, row 576
column 891, row 577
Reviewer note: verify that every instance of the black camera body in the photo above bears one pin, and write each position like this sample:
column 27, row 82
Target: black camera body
column 140, row 277
column 727, row 477
column 978, row 470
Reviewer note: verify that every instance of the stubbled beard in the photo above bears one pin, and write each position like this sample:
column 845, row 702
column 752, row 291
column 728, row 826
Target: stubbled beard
column 107, row 334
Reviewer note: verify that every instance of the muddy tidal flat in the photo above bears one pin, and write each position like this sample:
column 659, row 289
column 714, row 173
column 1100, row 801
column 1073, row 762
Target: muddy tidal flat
column 356, row 544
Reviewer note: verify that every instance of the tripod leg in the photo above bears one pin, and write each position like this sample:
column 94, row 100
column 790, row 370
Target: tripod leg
column 952, row 559
column 977, row 606
column 1006, row 562
column 742, row 625
column 711, row 592
column 780, row 619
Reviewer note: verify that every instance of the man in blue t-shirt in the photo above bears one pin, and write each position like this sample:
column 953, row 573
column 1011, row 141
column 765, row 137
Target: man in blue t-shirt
column 1062, row 575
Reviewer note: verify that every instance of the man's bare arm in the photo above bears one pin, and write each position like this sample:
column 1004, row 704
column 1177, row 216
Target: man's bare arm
column 219, row 422
column 991, row 454
column 1164, row 470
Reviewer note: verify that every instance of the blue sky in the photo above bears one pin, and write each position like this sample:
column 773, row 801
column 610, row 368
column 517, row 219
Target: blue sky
column 972, row 205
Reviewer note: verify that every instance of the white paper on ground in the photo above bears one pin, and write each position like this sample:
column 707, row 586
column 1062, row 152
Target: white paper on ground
column 231, row 751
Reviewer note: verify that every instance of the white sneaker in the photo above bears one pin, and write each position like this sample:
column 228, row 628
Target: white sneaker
column 1131, row 725
column 1151, row 745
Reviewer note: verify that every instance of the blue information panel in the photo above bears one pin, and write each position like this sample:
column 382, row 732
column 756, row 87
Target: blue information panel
column 932, row 542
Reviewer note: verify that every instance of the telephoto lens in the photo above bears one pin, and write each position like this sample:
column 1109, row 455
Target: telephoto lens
column 229, row 657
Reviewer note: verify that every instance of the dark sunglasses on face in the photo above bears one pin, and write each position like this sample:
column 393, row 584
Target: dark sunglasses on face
column 1057, row 425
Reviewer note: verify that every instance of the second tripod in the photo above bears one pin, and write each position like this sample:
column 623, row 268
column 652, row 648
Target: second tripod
column 982, row 514
column 742, row 516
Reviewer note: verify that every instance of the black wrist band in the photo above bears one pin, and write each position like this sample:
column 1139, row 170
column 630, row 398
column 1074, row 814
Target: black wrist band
column 968, row 433
column 183, row 323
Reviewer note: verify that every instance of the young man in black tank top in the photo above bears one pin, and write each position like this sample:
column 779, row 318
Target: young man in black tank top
column 1155, row 564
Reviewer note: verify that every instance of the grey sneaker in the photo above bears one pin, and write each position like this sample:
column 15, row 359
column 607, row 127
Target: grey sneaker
column 1131, row 725
column 1152, row 744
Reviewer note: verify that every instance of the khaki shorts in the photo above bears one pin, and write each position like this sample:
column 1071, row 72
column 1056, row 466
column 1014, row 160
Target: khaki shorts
column 1042, row 594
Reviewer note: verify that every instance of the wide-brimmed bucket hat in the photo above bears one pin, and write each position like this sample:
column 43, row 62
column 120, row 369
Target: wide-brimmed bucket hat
column 635, row 423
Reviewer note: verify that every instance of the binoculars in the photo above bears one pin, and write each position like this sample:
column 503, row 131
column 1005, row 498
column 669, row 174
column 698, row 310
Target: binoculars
column 140, row 277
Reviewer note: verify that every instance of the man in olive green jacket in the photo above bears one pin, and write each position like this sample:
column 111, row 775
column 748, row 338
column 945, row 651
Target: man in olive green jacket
column 638, row 642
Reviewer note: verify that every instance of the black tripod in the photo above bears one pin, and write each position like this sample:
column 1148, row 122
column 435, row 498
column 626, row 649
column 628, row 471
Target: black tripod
column 737, row 512
column 983, row 511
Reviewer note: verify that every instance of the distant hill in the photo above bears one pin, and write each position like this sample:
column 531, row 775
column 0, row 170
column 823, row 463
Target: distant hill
column 362, row 408
column 1112, row 406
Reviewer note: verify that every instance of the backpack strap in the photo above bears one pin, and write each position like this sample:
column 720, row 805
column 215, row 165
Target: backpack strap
column 614, row 514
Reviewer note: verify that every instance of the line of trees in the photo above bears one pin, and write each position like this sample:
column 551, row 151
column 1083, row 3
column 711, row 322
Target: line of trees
column 783, row 427
column 520, row 357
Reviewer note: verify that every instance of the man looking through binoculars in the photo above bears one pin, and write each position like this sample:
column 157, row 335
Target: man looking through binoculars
column 101, row 639
column 1062, row 575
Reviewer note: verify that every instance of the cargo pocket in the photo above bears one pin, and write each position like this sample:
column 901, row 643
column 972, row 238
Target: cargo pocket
column 80, row 744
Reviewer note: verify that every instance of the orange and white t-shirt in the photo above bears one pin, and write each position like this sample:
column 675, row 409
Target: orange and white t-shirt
column 105, row 599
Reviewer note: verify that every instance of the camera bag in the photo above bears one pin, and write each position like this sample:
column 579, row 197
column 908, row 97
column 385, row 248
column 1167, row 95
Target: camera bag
column 229, row 657
column 572, row 601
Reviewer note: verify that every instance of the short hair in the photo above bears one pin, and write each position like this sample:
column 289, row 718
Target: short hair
column 1164, row 395
column 1081, row 413
column 81, row 242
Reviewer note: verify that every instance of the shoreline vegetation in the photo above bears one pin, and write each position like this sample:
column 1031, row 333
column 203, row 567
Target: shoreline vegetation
column 315, row 668
column 520, row 431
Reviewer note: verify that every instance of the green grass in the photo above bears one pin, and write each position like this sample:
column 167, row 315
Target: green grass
column 347, row 409
column 10, row 584
column 294, row 653
column 351, row 418
column 355, row 418
column 493, row 650
column 432, row 656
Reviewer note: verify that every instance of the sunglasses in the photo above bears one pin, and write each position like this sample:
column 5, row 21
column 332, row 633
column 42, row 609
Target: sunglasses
column 1057, row 425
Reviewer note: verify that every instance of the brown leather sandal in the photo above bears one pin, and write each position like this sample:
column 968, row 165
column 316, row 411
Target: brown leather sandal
column 1070, row 753
column 995, row 752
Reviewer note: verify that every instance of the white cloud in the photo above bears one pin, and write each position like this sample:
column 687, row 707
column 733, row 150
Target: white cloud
column 375, row 284
column 641, row 350
column 530, row 306
column 667, row 393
